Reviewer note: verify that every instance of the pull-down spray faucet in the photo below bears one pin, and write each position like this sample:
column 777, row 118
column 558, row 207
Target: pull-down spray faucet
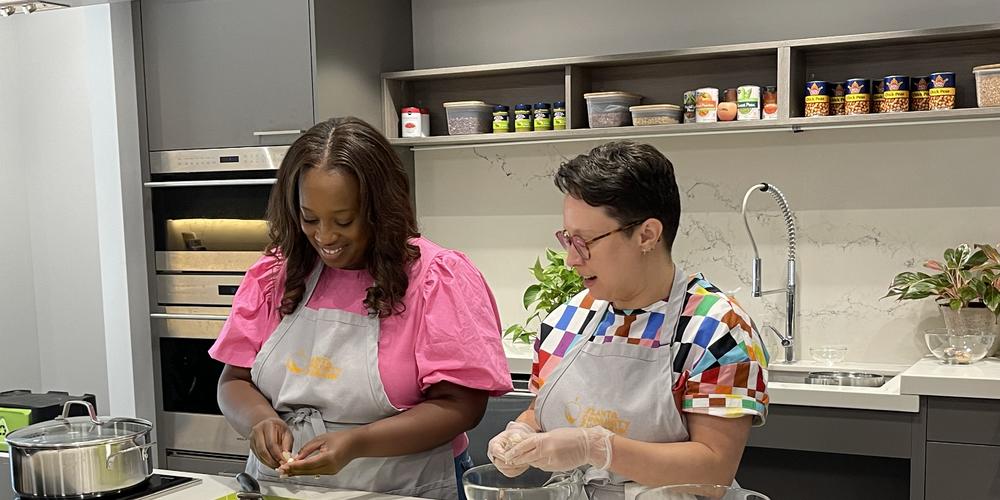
column 788, row 338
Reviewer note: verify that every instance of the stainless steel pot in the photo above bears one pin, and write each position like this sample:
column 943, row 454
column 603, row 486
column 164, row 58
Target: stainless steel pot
column 80, row 457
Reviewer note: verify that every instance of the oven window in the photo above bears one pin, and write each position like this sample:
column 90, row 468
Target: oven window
column 189, row 377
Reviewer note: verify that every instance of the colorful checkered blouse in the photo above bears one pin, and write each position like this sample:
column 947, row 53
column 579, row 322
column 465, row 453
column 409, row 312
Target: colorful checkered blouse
column 719, row 361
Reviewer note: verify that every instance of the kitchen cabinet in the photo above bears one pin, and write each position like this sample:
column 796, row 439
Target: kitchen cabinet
column 236, row 73
column 226, row 73
column 963, row 449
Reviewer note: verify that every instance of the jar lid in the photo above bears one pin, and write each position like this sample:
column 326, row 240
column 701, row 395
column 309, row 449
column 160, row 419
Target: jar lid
column 592, row 95
column 460, row 104
column 75, row 432
column 655, row 107
column 522, row 107
column 425, row 111
column 559, row 104
column 500, row 107
column 986, row 67
column 411, row 110
column 542, row 105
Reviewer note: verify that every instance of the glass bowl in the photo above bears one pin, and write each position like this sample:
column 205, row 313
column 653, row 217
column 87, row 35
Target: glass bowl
column 485, row 482
column 699, row 492
column 828, row 354
column 958, row 349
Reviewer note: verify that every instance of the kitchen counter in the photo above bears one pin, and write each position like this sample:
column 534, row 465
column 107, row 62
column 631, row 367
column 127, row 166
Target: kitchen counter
column 889, row 397
column 929, row 377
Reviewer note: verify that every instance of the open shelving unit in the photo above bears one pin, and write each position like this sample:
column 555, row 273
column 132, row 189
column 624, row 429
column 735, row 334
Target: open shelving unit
column 663, row 77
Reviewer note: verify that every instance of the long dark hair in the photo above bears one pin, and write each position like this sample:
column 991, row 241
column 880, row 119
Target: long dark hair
column 350, row 145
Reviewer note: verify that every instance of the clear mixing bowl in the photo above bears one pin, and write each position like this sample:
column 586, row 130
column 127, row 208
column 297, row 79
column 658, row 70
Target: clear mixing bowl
column 485, row 482
column 961, row 349
column 699, row 492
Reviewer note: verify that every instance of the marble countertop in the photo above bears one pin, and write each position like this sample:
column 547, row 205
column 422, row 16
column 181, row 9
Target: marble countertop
column 213, row 487
column 930, row 377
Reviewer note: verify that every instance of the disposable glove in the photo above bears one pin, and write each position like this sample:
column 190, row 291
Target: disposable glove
column 564, row 449
column 500, row 446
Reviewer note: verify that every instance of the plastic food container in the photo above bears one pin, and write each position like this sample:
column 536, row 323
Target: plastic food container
column 469, row 117
column 655, row 114
column 987, row 85
column 485, row 482
column 610, row 109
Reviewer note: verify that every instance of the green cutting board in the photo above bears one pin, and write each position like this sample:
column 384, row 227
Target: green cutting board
column 232, row 496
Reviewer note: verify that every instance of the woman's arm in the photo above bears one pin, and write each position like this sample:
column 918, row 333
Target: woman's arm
column 528, row 417
column 251, row 415
column 710, row 457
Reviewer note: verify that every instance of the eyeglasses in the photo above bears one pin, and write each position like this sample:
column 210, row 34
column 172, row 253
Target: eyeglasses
column 581, row 245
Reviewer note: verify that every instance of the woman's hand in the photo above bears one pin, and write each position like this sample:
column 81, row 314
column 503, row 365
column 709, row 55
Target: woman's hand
column 564, row 449
column 501, row 444
column 270, row 439
column 325, row 454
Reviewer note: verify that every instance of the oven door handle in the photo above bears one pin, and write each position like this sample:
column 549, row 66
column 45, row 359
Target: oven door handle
column 201, row 317
column 209, row 183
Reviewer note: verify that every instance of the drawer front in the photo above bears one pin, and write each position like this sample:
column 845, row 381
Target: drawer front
column 176, row 289
column 962, row 471
column 963, row 420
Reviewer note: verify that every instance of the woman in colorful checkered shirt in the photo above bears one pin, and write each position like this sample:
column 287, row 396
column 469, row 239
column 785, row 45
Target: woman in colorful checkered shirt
column 650, row 376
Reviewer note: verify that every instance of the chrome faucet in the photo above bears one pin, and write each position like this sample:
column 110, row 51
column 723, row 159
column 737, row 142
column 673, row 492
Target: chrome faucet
column 788, row 338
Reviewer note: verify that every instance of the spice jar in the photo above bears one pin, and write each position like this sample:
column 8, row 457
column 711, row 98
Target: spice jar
column 817, row 98
column 706, row 105
column 559, row 115
column 769, row 101
column 543, row 116
column 501, row 119
column 748, row 103
column 896, row 96
column 919, row 93
column 410, row 122
column 523, row 118
column 425, row 122
column 837, row 98
column 878, row 91
column 941, row 90
column 857, row 99
column 689, row 106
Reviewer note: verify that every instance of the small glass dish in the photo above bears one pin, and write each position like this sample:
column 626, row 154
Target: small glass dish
column 699, row 492
column 958, row 349
column 485, row 482
column 829, row 355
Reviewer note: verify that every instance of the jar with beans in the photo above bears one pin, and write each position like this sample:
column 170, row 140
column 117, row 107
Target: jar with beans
column 919, row 93
column 817, row 98
column 896, row 97
column 878, row 91
column 837, row 98
column 857, row 97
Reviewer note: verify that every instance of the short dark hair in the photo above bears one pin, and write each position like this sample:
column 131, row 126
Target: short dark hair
column 631, row 181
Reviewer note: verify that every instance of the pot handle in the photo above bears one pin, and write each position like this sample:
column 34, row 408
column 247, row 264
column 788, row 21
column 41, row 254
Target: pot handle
column 114, row 456
column 90, row 410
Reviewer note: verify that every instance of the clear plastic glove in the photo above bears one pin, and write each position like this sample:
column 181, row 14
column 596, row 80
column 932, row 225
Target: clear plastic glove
column 564, row 449
column 499, row 447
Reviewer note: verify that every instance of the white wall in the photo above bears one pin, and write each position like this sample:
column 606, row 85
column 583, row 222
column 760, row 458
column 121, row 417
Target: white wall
column 18, row 340
column 869, row 202
column 67, row 165
column 457, row 32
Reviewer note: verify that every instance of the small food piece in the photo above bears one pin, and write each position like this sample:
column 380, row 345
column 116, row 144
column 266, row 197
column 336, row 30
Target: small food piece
column 287, row 456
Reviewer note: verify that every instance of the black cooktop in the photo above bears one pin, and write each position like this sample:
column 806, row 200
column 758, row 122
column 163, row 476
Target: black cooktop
column 157, row 483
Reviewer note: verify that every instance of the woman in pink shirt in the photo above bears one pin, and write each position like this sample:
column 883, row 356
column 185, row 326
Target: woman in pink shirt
column 357, row 352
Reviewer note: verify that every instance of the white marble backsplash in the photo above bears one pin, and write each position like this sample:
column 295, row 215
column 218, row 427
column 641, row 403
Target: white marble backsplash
column 869, row 203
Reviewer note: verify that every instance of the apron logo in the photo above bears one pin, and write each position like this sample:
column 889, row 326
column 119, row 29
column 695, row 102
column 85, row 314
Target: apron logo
column 579, row 416
column 318, row 367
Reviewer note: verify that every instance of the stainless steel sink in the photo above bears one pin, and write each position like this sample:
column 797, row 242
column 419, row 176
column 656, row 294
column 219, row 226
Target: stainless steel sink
column 855, row 379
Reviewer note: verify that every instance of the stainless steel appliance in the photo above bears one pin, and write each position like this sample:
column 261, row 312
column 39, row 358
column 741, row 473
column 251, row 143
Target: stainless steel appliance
column 207, row 222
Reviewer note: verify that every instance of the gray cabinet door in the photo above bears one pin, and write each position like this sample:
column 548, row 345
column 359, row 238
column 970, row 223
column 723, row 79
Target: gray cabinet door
column 217, row 71
column 962, row 471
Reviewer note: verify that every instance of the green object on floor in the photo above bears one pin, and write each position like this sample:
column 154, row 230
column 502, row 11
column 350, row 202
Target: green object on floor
column 232, row 496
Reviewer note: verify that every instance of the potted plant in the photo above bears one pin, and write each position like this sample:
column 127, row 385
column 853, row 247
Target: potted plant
column 556, row 284
column 966, row 287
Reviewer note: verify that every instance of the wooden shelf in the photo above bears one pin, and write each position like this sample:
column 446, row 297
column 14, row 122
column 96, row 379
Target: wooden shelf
column 663, row 76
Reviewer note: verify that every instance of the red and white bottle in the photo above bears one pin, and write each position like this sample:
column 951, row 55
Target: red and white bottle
column 412, row 123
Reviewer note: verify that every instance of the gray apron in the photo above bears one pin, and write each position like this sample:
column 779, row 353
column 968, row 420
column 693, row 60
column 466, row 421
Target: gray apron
column 319, row 370
column 622, row 387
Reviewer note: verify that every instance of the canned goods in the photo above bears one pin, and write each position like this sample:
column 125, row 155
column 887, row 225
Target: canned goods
column 817, row 98
column 941, row 90
column 748, row 103
column 501, row 119
column 837, row 98
column 919, row 95
column 706, row 105
column 878, row 91
column 769, row 100
column 543, row 116
column 896, row 93
column 559, row 115
column 523, row 118
column 689, row 106
column 857, row 97
column 410, row 123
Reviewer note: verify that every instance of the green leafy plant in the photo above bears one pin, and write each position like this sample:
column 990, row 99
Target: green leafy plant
column 557, row 283
column 968, row 275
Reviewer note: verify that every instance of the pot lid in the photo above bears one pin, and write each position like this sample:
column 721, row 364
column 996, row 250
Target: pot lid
column 75, row 432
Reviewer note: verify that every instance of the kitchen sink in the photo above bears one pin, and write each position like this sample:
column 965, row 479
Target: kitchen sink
column 855, row 379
